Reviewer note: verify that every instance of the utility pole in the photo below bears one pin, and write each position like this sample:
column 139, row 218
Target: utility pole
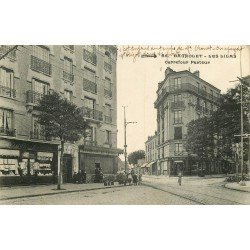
column 125, row 137
column 4, row 55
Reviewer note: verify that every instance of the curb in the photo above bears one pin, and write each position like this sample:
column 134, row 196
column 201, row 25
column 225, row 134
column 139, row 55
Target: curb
column 58, row 192
column 236, row 189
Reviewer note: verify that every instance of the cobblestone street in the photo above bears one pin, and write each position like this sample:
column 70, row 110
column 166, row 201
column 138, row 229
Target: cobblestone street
column 154, row 191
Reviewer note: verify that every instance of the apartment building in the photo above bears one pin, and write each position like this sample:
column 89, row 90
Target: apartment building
column 182, row 96
column 86, row 76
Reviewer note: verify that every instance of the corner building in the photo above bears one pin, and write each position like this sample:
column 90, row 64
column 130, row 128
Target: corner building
column 181, row 97
column 86, row 76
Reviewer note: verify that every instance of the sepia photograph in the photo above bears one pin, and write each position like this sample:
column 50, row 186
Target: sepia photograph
column 124, row 124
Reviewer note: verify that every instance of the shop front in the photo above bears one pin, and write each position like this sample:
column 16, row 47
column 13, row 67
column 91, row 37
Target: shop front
column 23, row 162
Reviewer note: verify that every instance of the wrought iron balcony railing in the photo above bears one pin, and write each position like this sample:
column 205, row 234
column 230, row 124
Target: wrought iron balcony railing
column 40, row 66
column 7, row 92
column 89, row 57
column 108, row 119
column 68, row 76
column 5, row 48
column 39, row 135
column 178, row 120
column 70, row 47
column 107, row 66
column 33, row 97
column 186, row 87
column 178, row 105
column 92, row 113
column 90, row 143
column 108, row 93
column 89, row 86
column 7, row 131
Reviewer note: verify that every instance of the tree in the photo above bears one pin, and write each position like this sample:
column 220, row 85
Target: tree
column 61, row 119
column 214, row 136
column 135, row 156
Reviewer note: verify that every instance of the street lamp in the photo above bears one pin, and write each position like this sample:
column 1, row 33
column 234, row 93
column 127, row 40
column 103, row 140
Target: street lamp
column 125, row 136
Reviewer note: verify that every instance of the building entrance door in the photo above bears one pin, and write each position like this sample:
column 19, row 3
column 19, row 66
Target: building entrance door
column 67, row 168
column 178, row 167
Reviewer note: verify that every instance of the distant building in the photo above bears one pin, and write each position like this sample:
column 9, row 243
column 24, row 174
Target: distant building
column 151, row 154
column 181, row 97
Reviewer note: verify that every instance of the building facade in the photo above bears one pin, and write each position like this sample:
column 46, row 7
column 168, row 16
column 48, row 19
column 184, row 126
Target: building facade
column 181, row 97
column 151, row 154
column 86, row 76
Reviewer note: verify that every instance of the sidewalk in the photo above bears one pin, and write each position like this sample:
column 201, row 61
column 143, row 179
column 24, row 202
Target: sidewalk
column 238, row 187
column 7, row 193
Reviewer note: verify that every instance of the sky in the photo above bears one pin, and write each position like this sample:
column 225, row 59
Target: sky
column 137, row 83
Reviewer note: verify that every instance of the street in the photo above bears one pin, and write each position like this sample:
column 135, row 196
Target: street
column 154, row 191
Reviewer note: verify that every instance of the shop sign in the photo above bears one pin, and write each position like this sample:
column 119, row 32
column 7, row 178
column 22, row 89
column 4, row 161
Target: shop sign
column 8, row 152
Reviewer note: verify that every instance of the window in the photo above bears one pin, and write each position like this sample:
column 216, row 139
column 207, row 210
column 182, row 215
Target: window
column 177, row 98
column 89, row 103
column 107, row 57
column 6, row 122
column 177, row 133
column 40, row 60
column 89, row 75
column 68, row 65
column 89, row 54
column 108, row 110
column 7, row 83
column 90, row 134
column 177, row 83
column 178, row 116
column 41, row 53
column 38, row 130
column 40, row 87
column 178, row 147
column 108, row 113
column 211, row 93
column 108, row 88
column 107, row 62
column 68, row 95
column 108, row 137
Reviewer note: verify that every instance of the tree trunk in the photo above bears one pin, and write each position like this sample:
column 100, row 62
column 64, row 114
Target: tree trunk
column 59, row 181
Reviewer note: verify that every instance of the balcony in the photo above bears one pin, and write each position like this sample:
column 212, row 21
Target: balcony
column 5, row 48
column 7, row 131
column 7, row 92
column 108, row 119
column 68, row 76
column 33, row 97
column 40, row 66
column 89, row 86
column 92, row 113
column 178, row 120
column 178, row 105
column 69, row 47
column 39, row 135
column 89, row 57
column 108, row 93
column 108, row 67
column 90, row 143
column 185, row 87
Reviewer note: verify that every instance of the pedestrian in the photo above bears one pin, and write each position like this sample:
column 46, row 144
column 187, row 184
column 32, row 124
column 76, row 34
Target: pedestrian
column 179, row 178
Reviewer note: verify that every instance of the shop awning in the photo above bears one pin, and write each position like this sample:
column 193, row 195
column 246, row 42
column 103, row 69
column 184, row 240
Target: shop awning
column 9, row 152
column 143, row 165
column 150, row 164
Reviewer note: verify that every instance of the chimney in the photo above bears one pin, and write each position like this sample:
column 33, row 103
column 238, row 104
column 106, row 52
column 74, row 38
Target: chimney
column 197, row 73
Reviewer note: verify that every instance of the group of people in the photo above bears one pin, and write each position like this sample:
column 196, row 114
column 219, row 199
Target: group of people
column 134, row 177
column 80, row 177
column 98, row 175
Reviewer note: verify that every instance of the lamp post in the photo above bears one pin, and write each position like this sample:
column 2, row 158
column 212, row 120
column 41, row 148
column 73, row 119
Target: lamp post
column 125, row 137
